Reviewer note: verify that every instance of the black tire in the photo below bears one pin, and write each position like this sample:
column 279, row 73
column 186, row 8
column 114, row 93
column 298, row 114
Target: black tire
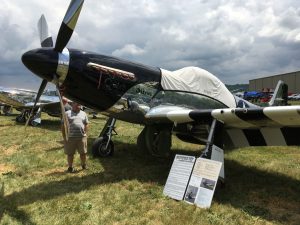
column 98, row 148
column 158, row 141
column 7, row 110
column 20, row 119
column 141, row 142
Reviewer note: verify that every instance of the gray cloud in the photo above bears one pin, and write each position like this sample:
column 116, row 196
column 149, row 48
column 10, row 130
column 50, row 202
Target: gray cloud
column 234, row 39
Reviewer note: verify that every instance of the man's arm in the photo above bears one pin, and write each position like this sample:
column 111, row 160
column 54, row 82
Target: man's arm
column 86, row 124
column 86, row 128
column 63, row 132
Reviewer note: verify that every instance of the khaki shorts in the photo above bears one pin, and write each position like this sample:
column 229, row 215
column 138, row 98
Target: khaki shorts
column 73, row 144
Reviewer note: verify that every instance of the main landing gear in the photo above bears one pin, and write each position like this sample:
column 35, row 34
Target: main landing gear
column 215, row 138
column 156, row 140
column 34, row 121
column 103, row 145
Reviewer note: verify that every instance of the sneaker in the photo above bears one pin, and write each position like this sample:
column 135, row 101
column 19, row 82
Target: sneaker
column 84, row 167
column 70, row 170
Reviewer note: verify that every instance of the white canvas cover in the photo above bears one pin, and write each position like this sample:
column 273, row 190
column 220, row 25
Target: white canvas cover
column 197, row 80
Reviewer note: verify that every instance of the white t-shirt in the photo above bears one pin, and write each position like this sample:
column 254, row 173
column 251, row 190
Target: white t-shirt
column 77, row 121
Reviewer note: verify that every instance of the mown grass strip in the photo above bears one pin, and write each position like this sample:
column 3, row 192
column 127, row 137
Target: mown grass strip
column 262, row 184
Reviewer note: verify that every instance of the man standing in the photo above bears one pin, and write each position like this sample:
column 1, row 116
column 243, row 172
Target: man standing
column 77, row 140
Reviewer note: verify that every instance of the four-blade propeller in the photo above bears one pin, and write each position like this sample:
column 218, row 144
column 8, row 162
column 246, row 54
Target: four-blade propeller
column 65, row 32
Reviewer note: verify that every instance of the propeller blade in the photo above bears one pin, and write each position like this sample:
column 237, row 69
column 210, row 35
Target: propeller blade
column 40, row 92
column 45, row 38
column 68, row 25
column 64, row 116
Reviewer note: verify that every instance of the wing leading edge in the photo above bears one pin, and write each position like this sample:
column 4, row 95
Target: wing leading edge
column 279, row 116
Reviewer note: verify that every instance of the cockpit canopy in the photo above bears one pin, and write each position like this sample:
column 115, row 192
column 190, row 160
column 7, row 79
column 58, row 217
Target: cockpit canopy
column 199, row 81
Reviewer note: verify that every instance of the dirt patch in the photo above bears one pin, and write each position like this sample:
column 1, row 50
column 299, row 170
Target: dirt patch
column 10, row 150
column 4, row 127
column 6, row 168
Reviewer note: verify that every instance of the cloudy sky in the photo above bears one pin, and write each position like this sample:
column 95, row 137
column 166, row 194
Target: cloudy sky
column 236, row 40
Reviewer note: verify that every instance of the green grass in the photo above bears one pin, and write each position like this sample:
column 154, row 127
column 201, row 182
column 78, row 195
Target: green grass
column 262, row 186
column 294, row 102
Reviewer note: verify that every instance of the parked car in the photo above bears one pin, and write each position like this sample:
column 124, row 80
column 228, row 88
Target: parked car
column 297, row 97
column 294, row 97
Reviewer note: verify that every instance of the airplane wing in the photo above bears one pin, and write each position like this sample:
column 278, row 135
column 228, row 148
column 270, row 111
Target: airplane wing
column 272, row 126
column 51, row 108
column 243, row 118
column 9, row 101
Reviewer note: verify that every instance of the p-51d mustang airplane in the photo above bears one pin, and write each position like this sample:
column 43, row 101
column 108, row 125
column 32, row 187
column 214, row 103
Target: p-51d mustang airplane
column 191, row 103
column 23, row 100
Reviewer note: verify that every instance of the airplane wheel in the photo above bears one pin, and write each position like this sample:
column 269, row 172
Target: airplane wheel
column 141, row 141
column 20, row 119
column 98, row 148
column 33, row 123
column 7, row 110
column 158, row 141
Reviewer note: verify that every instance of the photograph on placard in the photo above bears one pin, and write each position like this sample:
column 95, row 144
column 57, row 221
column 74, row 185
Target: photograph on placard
column 208, row 184
column 191, row 194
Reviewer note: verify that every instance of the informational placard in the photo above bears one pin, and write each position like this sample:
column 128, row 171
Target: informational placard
column 203, row 182
column 218, row 155
column 179, row 176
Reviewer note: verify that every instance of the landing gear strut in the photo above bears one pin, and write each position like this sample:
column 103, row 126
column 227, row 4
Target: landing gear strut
column 210, row 141
column 215, row 138
column 103, row 145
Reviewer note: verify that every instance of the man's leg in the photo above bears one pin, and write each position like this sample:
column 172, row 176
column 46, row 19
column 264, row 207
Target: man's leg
column 70, row 151
column 83, row 160
column 82, row 149
column 70, row 159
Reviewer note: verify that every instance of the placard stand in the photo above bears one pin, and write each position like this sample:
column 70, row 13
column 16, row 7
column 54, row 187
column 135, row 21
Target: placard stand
column 179, row 176
column 193, row 181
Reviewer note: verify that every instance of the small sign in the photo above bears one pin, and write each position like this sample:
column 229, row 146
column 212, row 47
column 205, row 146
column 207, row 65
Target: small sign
column 179, row 176
column 203, row 182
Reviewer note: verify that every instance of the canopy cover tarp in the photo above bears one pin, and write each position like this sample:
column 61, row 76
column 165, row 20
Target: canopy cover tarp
column 197, row 80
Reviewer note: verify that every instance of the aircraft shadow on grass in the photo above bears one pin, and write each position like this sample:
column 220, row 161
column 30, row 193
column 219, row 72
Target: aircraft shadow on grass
column 243, row 183
column 51, row 125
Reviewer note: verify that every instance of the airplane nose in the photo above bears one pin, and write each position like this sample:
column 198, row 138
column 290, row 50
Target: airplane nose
column 42, row 62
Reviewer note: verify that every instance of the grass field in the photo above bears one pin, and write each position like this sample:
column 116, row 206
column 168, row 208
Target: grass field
column 262, row 186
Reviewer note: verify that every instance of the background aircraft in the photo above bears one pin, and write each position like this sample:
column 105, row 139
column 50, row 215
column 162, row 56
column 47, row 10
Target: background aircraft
column 23, row 100
column 191, row 103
